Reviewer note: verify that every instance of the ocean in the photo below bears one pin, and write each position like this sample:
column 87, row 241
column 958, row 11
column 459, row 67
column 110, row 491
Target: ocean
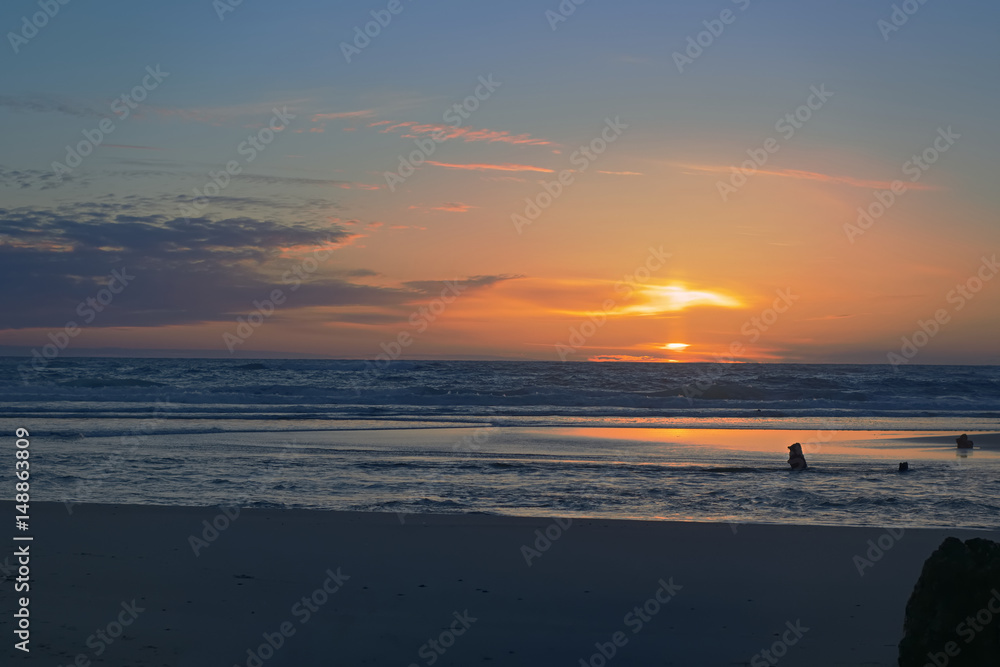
column 703, row 442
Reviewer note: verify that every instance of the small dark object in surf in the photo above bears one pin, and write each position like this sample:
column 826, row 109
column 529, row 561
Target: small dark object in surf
column 795, row 457
column 963, row 442
column 904, row 467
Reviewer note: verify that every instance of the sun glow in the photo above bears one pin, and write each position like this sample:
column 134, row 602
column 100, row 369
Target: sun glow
column 674, row 298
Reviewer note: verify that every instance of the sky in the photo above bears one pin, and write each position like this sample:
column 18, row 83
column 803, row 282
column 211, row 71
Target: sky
column 642, row 181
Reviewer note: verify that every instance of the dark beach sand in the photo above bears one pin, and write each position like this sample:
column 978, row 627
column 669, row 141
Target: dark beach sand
column 405, row 582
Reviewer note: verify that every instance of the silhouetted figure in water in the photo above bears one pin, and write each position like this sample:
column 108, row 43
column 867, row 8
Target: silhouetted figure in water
column 795, row 457
column 904, row 467
column 963, row 442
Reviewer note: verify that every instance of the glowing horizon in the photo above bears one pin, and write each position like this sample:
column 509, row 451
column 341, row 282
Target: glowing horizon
column 485, row 200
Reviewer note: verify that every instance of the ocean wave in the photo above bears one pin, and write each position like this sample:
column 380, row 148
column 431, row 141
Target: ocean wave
column 101, row 383
column 320, row 389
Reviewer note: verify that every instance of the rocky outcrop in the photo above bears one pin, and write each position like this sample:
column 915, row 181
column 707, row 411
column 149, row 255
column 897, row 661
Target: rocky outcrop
column 953, row 615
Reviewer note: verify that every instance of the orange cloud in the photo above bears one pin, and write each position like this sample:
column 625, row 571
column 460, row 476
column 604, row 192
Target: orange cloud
column 450, row 207
column 413, row 130
column 629, row 357
column 811, row 176
column 366, row 113
column 656, row 299
column 491, row 167
column 298, row 250
column 621, row 173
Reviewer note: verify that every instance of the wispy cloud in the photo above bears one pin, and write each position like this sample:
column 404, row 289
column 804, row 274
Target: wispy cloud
column 434, row 287
column 364, row 113
column 621, row 173
column 628, row 358
column 449, row 207
column 491, row 167
column 144, row 148
column 656, row 299
column 413, row 130
column 31, row 179
column 296, row 180
column 810, row 176
column 49, row 104
column 218, row 115
column 185, row 173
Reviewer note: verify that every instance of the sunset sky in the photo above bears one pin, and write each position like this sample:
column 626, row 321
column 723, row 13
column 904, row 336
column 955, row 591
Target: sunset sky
column 641, row 254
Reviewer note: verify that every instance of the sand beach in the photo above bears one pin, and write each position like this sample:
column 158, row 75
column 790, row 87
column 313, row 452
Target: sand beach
column 186, row 586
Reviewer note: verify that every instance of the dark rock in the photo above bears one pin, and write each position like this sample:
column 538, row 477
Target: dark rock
column 953, row 615
column 904, row 466
column 795, row 457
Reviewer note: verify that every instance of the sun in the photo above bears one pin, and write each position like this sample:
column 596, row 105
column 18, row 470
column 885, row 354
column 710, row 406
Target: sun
column 675, row 346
